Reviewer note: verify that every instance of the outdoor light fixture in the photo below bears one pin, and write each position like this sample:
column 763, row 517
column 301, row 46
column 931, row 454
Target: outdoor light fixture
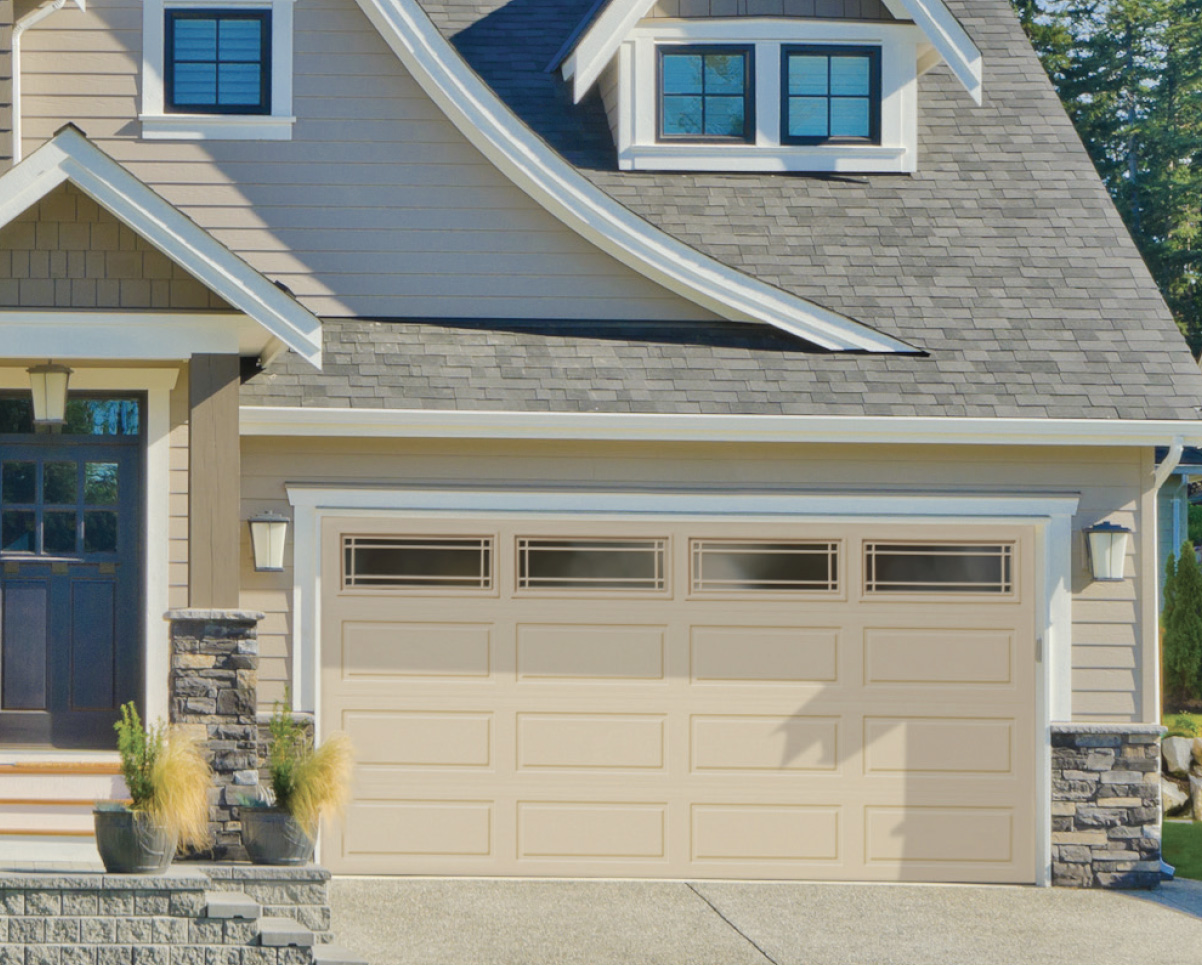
column 49, row 386
column 1107, row 550
column 267, row 533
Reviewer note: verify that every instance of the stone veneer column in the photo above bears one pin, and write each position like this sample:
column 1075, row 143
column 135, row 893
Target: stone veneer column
column 213, row 688
column 1106, row 805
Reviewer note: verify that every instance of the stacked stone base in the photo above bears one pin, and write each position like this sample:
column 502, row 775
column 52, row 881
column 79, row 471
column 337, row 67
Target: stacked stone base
column 1106, row 806
column 82, row 917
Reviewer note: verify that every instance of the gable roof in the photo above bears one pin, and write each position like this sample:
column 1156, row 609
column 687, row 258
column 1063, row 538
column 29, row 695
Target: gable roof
column 594, row 214
column 70, row 156
column 1002, row 257
column 602, row 31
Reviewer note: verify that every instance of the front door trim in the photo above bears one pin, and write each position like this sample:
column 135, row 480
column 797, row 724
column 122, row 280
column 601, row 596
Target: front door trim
column 1049, row 513
column 157, row 384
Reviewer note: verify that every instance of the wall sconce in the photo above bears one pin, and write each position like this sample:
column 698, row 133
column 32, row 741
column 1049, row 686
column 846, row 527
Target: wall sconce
column 48, row 384
column 267, row 533
column 1107, row 544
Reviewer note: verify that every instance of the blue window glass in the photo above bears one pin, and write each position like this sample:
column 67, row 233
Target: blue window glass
column 705, row 93
column 831, row 94
column 218, row 61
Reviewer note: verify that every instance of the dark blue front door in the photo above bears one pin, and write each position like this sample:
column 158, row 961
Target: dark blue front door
column 71, row 533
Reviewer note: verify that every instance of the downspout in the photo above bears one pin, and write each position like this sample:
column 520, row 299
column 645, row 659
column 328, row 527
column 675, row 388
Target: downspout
column 1172, row 460
column 31, row 19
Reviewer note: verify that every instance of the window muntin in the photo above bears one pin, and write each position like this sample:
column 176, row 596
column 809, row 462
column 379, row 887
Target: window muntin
column 217, row 62
column 830, row 95
column 706, row 94
column 417, row 563
column 546, row 563
column 43, row 502
column 762, row 566
column 938, row 568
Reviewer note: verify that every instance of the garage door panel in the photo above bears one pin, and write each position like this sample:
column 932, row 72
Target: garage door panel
column 935, row 657
column 966, row 746
column 421, row 738
column 725, row 832
column 374, row 651
column 606, row 830
column 669, row 735
column 573, row 741
column 590, row 652
column 772, row 654
column 764, row 742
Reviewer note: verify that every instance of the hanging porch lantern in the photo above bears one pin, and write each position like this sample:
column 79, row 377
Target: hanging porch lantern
column 1107, row 550
column 48, row 384
column 267, row 534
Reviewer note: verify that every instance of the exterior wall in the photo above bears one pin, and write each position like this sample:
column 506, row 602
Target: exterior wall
column 177, row 579
column 442, row 234
column 1114, row 624
column 823, row 9
column 6, row 84
column 67, row 252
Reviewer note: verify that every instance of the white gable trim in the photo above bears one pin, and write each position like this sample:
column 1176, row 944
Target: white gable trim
column 69, row 156
column 597, row 46
column 551, row 181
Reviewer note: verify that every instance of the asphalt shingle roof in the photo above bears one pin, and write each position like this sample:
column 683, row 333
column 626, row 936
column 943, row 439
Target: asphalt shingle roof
column 1002, row 257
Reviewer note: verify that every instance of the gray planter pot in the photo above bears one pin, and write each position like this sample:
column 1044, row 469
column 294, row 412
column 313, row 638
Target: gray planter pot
column 130, row 843
column 273, row 837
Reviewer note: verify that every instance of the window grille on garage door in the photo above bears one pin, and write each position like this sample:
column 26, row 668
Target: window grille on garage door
column 598, row 564
column 733, row 566
column 946, row 568
column 413, row 563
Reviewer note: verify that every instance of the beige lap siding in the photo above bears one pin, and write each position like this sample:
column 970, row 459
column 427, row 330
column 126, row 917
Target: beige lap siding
column 1114, row 625
column 177, row 558
column 441, row 231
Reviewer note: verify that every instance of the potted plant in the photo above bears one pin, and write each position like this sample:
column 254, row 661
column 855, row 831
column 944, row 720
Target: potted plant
column 307, row 782
column 168, row 781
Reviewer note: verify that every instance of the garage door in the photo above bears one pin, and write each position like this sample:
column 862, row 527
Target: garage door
column 538, row 696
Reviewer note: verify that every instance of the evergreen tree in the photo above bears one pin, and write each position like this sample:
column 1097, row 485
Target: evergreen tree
column 1183, row 631
column 1130, row 75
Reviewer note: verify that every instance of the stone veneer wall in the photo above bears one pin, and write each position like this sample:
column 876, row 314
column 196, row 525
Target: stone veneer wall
column 213, row 687
column 1106, row 805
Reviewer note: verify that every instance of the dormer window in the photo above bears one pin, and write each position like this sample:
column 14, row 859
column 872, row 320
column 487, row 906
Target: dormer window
column 218, row 62
column 831, row 95
column 706, row 94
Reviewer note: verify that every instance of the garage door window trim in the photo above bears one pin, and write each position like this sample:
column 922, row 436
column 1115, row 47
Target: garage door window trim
column 769, row 568
column 955, row 570
column 421, row 564
column 602, row 565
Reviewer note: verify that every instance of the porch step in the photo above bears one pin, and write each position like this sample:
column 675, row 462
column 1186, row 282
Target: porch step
column 283, row 931
column 231, row 905
column 55, row 798
column 331, row 954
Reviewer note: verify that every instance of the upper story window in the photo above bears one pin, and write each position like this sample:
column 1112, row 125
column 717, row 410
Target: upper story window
column 830, row 95
column 218, row 62
column 706, row 93
column 217, row 69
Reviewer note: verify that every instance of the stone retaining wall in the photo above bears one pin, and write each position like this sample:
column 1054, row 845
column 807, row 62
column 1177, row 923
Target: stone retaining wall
column 1106, row 806
column 213, row 691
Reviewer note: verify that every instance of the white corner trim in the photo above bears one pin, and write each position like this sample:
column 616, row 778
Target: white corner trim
column 466, row 424
column 564, row 192
column 597, row 45
column 69, row 156
column 950, row 39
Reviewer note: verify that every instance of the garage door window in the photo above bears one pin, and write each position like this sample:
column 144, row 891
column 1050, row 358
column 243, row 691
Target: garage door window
column 721, row 566
column 462, row 563
column 908, row 568
column 548, row 564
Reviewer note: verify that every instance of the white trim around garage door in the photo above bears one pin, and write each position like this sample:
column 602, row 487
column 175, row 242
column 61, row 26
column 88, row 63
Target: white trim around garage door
column 1050, row 515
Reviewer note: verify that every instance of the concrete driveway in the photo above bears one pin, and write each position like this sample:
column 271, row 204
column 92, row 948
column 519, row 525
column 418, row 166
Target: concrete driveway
column 394, row 920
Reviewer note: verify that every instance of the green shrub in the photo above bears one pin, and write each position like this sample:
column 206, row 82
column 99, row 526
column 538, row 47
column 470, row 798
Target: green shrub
column 1182, row 621
column 1195, row 523
column 1181, row 725
column 307, row 782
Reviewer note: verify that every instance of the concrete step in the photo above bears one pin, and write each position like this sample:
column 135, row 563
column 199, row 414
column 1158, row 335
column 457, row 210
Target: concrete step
column 283, row 931
column 231, row 905
column 331, row 954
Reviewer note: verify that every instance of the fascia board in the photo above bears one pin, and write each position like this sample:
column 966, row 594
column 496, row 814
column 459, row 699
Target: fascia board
column 551, row 181
column 69, row 156
column 599, row 43
column 914, row 430
column 950, row 39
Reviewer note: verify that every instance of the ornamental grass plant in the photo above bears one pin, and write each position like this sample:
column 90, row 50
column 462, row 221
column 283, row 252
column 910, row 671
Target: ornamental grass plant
column 308, row 782
column 167, row 776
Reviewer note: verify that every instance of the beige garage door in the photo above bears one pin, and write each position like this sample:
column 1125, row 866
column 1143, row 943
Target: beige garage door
column 665, row 698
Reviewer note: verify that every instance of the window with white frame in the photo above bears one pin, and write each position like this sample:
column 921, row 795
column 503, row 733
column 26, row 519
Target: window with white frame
column 217, row 69
column 764, row 94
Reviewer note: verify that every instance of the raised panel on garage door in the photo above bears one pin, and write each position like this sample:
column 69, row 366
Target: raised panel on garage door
column 692, row 699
